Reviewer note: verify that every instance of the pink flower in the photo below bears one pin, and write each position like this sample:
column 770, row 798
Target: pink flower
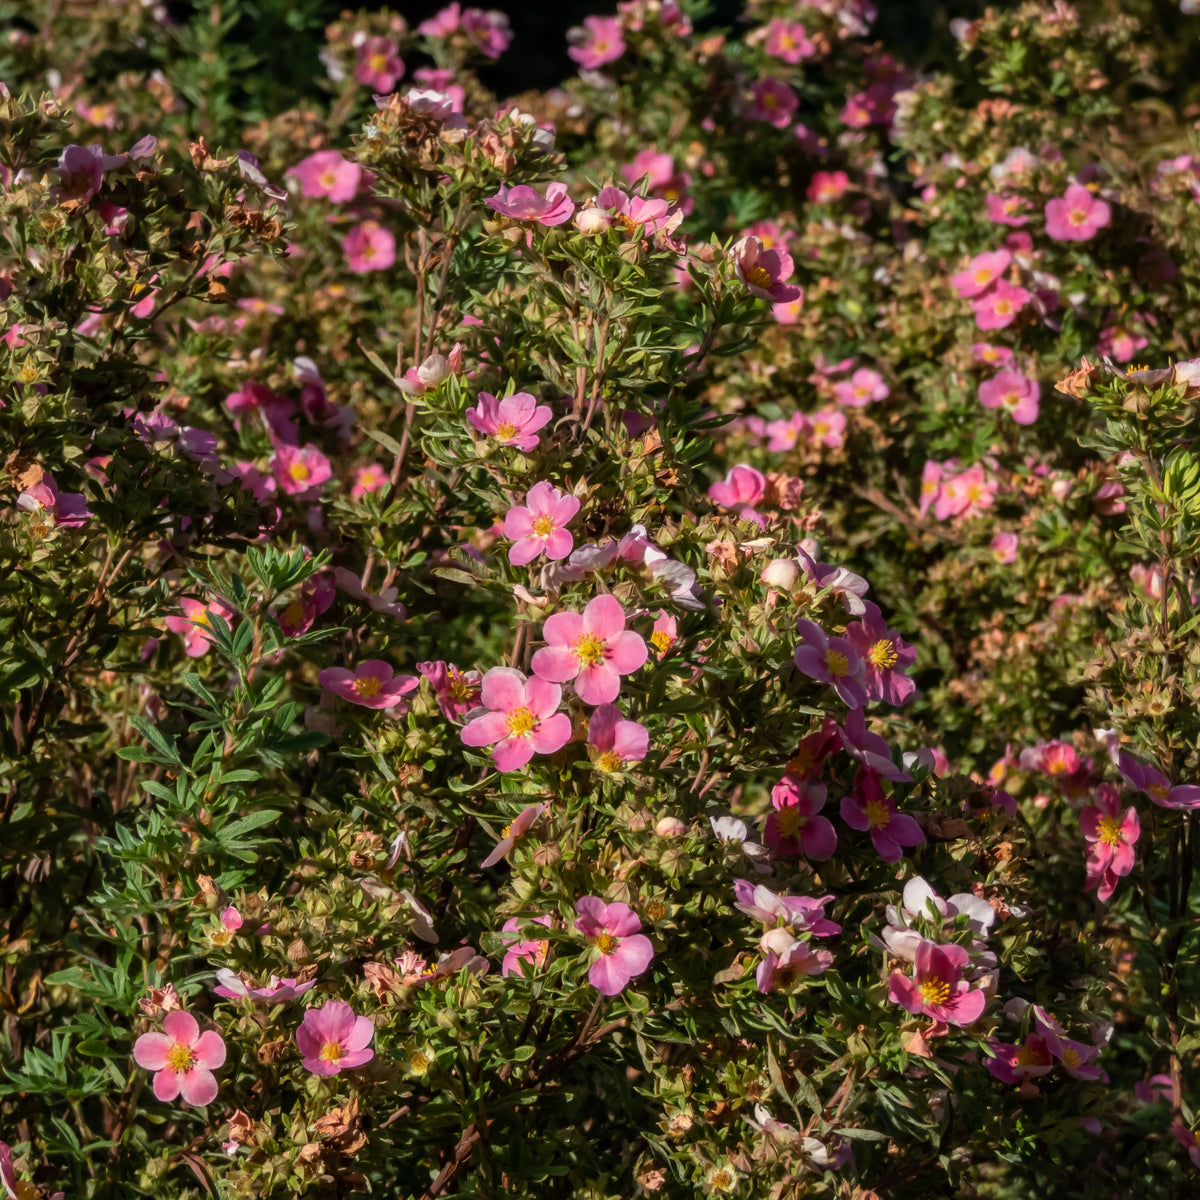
column 741, row 489
column 788, row 40
column 194, row 626
column 786, row 961
column 937, row 988
column 523, row 203
column 372, row 684
column 68, row 509
column 862, row 388
column 1111, row 835
column 664, row 634
column 367, row 479
column 300, row 470
column 1004, row 547
column 622, row 951
column 804, row 914
column 789, row 312
column 1150, row 780
column 81, row 171
column 931, row 481
column 1188, row 1139
column 771, row 100
column 524, row 719
column 488, row 31
column 513, row 421
column 1006, row 210
column 1015, row 1064
column 526, row 819
column 377, row 65
column 597, row 42
column 369, row 247
column 327, row 174
column 457, row 691
column 763, row 271
column 593, row 648
column 983, row 271
column 613, row 742
column 795, row 826
column 333, row 1038
column 991, row 356
column 785, row 433
column 539, row 525
column 521, row 950
column 234, row 986
column 866, row 747
column 831, row 660
column 416, row 381
column 1076, row 217
column 1014, row 392
column 635, row 213
column 885, row 655
column 827, row 427
column 868, row 808
column 657, row 166
column 827, row 186
column 1120, row 344
column 998, row 308
column 182, row 1058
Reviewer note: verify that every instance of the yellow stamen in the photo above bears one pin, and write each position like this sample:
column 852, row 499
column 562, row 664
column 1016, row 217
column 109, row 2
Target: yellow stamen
column 1110, row 831
column 180, row 1057
column 368, row 687
column 606, row 943
column 661, row 640
column 332, row 1051
column 590, row 649
column 506, row 430
column 521, row 722
column 883, row 653
column 759, row 277
column 543, row 526
column 934, row 991
column 836, row 663
column 878, row 814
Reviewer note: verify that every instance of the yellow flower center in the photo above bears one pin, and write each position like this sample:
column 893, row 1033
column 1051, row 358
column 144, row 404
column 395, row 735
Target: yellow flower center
column 1004, row 307
column 418, row 1062
column 328, row 179
column 883, row 653
column 299, row 472
column 788, row 820
column 368, row 687
column 28, row 374
column 378, row 62
column 758, row 277
column 506, row 831
column 1158, row 791
column 1071, row 1057
column 332, row 1051
column 661, row 640
column 606, row 943
column 590, row 649
column 983, row 275
column 1110, row 831
column 1077, row 217
column 506, row 430
column 180, row 1057
column 836, row 663
column 877, row 813
column 609, row 761
column 543, row 526
column 460, row 689
column 934, row 991
column 1029, row 1056
column 521, row 722
column 294, row 613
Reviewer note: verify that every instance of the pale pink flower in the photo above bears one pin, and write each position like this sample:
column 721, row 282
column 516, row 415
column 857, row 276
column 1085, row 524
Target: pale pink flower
column 593, row 648
column 831, row 660
column 982, row 272
column 1150, row 780
column 326, row 174
column 868, row 808
column 419, row 380
column 195, row 626
column 522, row 951
column 524, row 719
column 333, row 1038
column 771, row 100
column 796, row 826
column 785, row 433
column 999, row 308
column 539, row 525
column 804, row 914
column 788, row 40
column 597, row 42
column 182, row 1059
column 369, row 247
column 1007, row 210
column 763, row 271
column 992, row 356
column 68, row 510
column 931, row 484
column 613, row 742
column 788, row 313
column 513, row 421
column 377, row 64
column 827, row 186
column 234, row 986
column 786, row 961
column 1017, row 394
column 664, row 634
column 827, row 427
column 634, row 213
column 81, row 171
column 368, row 478
column 1119, row 343
column 657, row 166
column 1077, row 216
column 622, row 950
column 864, row 387
column 1004, row 547
column 372, row 684
column 523, row 203
column 526, row 819
column 937, row 988
column 457, row 691
column 300, row 470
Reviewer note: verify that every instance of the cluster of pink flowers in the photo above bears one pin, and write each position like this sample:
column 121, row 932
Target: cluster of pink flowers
column 955, row 491
column 1045, row 1045
column 486, row 31
column 868, row 662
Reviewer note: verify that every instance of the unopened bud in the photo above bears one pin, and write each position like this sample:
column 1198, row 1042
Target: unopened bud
column 781, row 573
column 593, row 221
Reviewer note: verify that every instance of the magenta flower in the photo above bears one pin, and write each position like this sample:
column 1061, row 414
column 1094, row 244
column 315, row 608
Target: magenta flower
column 326, row 174
column 524, row 719
column 593, row 648
column 804, row 914
column 864, row 387
column 300, row 470
column 1077, row 216
column 867, row 808
column 378, row 66
column 613, row 742
column 182, row 1059
column 786, row 961
column 788, row 40
column 1111, row 835
column 831, row 660
column 622, row 951
column 1015, row 1064
column 1017, row 394
column 741, row 489
column 597, row 42
column 333, row 1038
column 194, row 626
column 533, row 951
column 68, row 509
column 1150, row 780
column 1006, row 210
column 234, row 986
column 937, row 988
column 523, row 203
column 998, row 308
column 457, row 691
column 539, row 525
column 368, row 478
column 526, row 819
column 372, row 684
column 827, row 186
column 369, row 247
column 771, row 100
column 81, row 171
column 795, row 827
column 885, row 655
column 513, row 421
column 983, row 271
column 866, row 747
column 763, row 271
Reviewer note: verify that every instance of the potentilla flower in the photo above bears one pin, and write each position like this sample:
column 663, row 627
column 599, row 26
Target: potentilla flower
column 795, row 827
column 827, row 428
column 831, row 660
column 597, row 42
column 771, row 100
column 539, row 525
column 1016, row 1064
column 786, row 961
column 803, row 914
column 920, row 902
column 763, row 271
column 1007, row 210
column 524, row 953
column 182, row 1058
column 1111, row 835
column 524, row 719
column 622, row 951
column 1077, row 216
column 1017, row 394
column 67, row 509
column 665, row 633
column 194, row 626
column 372, row 684
column 1150, row 780
column 614, row 742
column 333, row 1038
column 523, row 203
column 786, row 432
column 848, row 587
column 367, row 479
column 864, row 387
column 512, row 421
column 432, row 370
column 1004, row 547
column 457, row 691
column 788, row 40
column 81, row 171
column 526, row 819
column 827, row 186
column 885, row 655
column 234, row 985
column 866, row 747
column 635, row 214
column 300, row 470
column 593, row 648
column 937, row 988
column 1078, row 1059
column 983, row 271
column 868, row 808
column 985, row 354
column 369, row 247
column 378, row 66
column 327, row 175
column 1000, row 307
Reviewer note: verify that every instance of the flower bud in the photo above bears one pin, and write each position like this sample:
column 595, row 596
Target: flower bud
column 593, row 221
column 670, row 827
column 781, row 573
column 433, row 370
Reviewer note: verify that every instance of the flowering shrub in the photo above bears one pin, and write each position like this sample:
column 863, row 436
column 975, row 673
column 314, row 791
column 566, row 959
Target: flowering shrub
column 639, row 639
